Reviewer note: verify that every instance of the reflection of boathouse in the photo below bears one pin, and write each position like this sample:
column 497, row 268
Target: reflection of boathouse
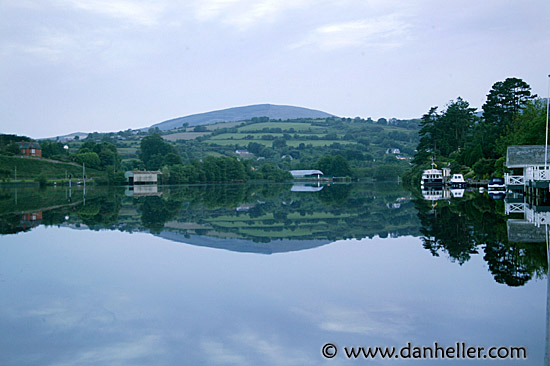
column 530, row 229
column 143, row 190
column 136, row 177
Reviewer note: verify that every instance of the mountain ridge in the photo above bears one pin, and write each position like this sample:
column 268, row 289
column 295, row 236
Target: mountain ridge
column 235, row 114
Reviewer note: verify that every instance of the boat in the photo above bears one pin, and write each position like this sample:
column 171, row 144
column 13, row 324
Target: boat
column 457, row 192
column 432, row 178
column 458, row 181
column 496, row 184
column 497, row 195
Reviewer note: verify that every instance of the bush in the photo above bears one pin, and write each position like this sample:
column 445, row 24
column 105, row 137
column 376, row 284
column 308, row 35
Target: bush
column 42, row 180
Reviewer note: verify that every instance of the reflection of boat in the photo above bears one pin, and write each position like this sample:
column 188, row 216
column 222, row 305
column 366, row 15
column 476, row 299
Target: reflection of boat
column 496, row 184
column 497, row 195
column 457, row 193
column 458, row 181
column 434, row 194
column 432, row 177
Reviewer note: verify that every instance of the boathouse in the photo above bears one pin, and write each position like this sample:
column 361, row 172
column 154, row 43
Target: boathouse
column 142, row 177
column 527, row 165
column 306, row 174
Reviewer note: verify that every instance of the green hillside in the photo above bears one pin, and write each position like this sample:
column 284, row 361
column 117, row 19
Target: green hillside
column 29, row 168
column 374, row 150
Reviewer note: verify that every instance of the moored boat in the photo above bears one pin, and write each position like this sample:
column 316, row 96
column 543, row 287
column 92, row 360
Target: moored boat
column 432, row 178
column 458, row 181
column 496, row 184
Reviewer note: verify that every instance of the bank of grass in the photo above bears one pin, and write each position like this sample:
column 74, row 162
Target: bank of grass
column 29, row 169
column 292, row 143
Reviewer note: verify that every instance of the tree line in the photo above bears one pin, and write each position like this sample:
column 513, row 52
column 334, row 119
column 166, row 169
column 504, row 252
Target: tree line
column 474, row 144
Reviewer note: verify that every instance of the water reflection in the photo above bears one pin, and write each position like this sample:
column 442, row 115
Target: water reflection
column 281, row 218
column 476, row 223
column 234, row 217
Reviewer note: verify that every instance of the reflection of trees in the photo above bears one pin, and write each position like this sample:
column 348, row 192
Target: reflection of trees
column 335, row 194
column 460, row 227
column 155, row 211
column 446, row 230
column 101, row 211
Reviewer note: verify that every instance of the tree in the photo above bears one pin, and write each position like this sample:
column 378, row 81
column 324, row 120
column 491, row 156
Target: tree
column 334, row 165
column 455, row 126
column 427, row 147
column 153, row 151
column 505, row 101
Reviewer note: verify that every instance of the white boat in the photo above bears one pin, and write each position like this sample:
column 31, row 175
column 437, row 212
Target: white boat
column 432, row 178
column 458, row 181
column 496, row 184
column 457, row 192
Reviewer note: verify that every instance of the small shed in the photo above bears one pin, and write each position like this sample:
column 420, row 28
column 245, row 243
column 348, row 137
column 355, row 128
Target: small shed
column 142, row 176
column 306, row 174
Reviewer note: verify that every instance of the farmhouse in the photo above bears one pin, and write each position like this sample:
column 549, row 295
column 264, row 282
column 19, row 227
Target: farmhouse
column 30, row 148
column 142, row 177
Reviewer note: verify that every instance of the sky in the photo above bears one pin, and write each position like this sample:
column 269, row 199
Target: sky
column 110, row 65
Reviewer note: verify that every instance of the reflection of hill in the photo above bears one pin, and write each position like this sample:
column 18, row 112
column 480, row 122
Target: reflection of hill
column 243, row 245
column 238, row 216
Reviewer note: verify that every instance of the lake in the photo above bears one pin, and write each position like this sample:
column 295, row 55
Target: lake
column 266, row 275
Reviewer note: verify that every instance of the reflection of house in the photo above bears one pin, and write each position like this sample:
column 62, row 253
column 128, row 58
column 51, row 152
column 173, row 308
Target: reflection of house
column 31, row 219
column 30, row 148
column 306, row 174
column 393, row 150
column 142, row 177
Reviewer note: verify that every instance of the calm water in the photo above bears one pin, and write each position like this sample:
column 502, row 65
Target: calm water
column 262, row 275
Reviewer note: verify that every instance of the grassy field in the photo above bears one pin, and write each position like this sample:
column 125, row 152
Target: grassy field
column 184, row 136
column 30, row 168
column 285, row 126
column 293, row 143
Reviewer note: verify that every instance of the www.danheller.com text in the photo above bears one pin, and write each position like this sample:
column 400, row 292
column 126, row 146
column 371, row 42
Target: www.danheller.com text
column 459, row 350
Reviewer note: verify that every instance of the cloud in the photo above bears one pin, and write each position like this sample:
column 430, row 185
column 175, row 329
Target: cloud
column 141, row 13
column 120, row 353
column 244, row 14
column 248, row 347
column 391, row 321
column 386, row 31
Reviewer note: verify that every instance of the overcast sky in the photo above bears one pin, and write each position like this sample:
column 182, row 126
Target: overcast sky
column 110, row 65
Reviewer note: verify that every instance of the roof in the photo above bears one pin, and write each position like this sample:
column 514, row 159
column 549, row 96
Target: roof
column 134, row 172
column 146, row 172
column 29, row 145
column 304, row 173
column 526, row 155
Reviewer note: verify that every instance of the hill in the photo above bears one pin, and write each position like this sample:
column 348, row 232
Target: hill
column 241, row 114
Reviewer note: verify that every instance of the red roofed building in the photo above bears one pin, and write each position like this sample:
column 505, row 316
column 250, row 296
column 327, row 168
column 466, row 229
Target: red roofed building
column 30, row 148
